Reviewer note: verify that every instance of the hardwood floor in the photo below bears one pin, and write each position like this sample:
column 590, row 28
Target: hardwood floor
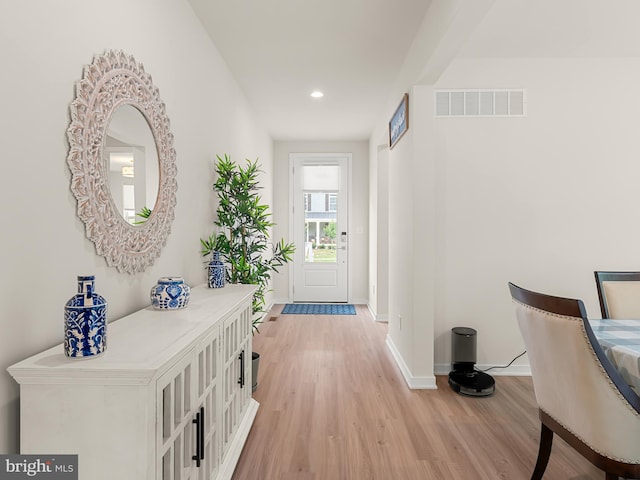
column 334, row 406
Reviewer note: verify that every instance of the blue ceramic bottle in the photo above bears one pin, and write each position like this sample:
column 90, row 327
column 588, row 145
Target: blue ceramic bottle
column 85, row 321
column 216, row 271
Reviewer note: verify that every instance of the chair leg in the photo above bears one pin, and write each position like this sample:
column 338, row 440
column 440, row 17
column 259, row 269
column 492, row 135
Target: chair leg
column 544, row 451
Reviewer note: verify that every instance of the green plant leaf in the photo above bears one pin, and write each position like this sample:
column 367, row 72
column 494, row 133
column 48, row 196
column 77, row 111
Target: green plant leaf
column 145, row 213
column 244, row 230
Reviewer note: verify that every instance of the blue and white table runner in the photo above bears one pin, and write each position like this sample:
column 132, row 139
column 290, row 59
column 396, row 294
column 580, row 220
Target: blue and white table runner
column 620, row 340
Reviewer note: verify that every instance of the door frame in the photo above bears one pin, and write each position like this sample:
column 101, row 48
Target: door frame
column 293, row 157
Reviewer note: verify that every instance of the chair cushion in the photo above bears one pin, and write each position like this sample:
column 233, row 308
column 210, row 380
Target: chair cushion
column 622, row 299
column 572, row 387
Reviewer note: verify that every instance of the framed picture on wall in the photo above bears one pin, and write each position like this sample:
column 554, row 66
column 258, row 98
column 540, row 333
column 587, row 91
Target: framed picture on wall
column 399, row 123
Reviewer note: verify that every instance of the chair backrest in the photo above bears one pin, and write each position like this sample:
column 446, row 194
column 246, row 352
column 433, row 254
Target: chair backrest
column 573, row 381
column 619, row 294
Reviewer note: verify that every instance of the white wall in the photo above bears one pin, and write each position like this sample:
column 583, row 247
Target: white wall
column 379, row 233
column 411, row 178
column 358, row 216
column 541, row 201
column 44, row 46
column 411, row 245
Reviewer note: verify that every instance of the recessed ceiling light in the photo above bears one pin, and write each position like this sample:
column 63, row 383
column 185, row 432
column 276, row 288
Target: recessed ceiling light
column 317, row 94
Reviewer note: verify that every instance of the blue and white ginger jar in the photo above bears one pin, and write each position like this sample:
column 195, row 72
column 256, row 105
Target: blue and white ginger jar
column 216, row 271
column 170, row 293
column 85, row 321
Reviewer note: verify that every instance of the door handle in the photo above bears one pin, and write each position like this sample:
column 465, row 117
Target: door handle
column 199, row 422
column 241, row 379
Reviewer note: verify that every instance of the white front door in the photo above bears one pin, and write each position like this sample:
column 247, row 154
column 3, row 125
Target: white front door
column 319, row 195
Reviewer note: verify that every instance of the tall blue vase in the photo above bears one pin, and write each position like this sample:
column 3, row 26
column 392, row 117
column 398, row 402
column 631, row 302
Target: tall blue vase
column 216, row 271
column 85, row 321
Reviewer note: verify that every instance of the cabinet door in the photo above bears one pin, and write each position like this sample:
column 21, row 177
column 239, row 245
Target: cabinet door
column 175, row 431
column 236, row 371
column 208, row 368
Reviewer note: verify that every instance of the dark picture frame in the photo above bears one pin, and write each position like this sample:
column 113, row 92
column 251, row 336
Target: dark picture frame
column 399, row 123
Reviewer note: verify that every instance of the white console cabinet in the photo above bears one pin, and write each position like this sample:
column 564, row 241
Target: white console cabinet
column 170, row 399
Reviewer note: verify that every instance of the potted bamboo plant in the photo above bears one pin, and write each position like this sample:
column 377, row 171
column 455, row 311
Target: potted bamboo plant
column 242, row 237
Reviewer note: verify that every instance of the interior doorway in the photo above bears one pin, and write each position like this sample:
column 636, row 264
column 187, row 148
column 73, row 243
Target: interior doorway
column 319, row 222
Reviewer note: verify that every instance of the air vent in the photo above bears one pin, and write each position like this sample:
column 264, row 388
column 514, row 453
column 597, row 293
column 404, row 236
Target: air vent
column 480, row 103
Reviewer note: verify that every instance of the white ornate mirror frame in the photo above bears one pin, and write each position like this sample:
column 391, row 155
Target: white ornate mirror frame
column 112, row 80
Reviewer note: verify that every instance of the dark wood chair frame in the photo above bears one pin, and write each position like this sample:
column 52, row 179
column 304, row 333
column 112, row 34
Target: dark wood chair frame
column 575, row 308
column 611, row 277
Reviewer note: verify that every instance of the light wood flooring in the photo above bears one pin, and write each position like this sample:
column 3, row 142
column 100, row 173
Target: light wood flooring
column 334, row 406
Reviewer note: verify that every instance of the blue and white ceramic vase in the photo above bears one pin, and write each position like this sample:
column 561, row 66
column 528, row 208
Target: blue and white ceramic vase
column 216, row 271
column 170, row 293
column 85, row 321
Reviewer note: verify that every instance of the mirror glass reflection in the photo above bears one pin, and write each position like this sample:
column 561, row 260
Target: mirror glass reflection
column 132, row 162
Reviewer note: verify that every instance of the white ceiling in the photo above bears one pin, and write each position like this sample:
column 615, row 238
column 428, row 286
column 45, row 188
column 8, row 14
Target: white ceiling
column 281, row 50
column 558, row 29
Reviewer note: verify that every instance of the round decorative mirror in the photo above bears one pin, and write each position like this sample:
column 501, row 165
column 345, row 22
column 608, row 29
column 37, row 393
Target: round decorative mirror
column 122, row 162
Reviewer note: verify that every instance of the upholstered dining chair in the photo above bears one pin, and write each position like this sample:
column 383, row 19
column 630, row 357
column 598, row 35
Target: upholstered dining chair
column 619, row 294
column 581, row 396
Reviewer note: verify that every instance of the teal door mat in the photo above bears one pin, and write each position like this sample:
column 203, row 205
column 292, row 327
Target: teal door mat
column 319, row 309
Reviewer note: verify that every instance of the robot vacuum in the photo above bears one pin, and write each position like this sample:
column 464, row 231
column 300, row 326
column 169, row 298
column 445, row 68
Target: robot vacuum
column 464, row 378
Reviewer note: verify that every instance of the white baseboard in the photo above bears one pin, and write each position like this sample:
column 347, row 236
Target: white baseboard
column 355, row 301
column 512, row 371
column 382, row 318
column 378, row 318
column 359, row 301
column 413, row 382
column 267, row 312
